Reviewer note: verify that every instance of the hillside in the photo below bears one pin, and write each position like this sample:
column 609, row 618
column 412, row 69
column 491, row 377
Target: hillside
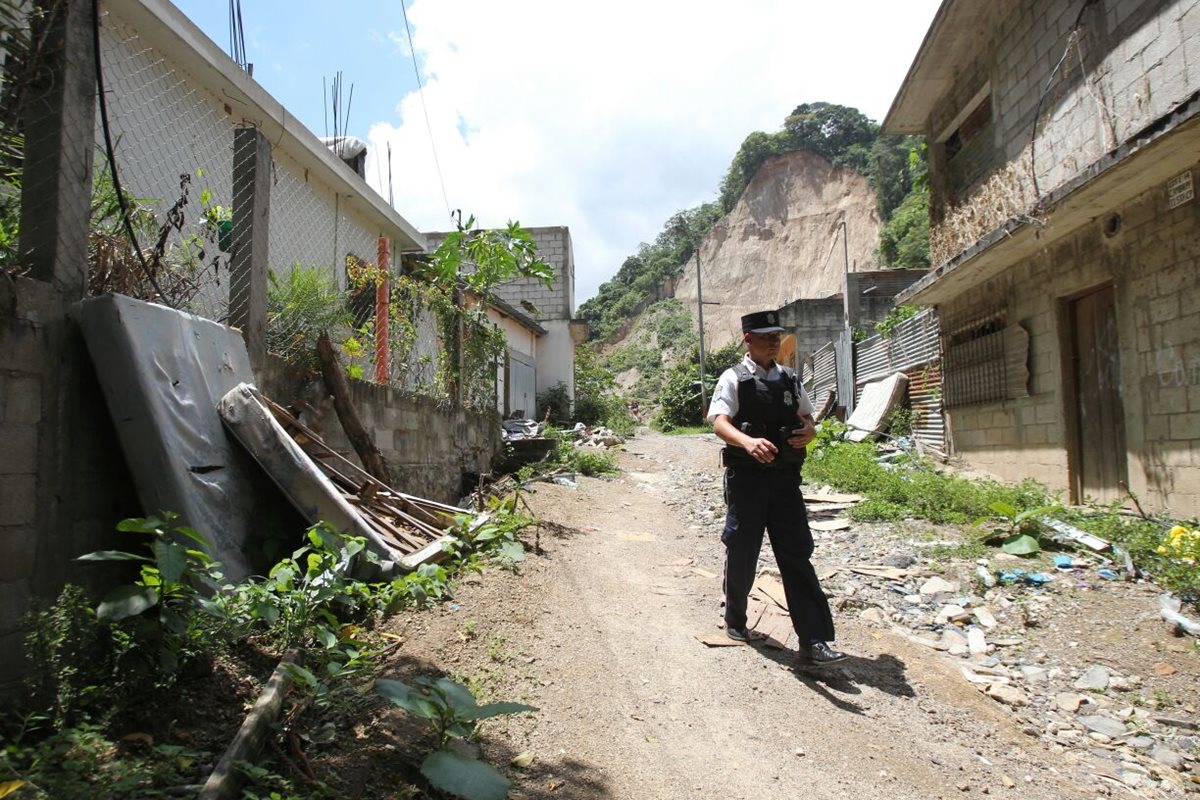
column 780, row 242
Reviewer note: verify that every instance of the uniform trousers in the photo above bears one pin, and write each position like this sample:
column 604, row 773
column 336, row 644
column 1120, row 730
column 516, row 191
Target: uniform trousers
column 769, row 498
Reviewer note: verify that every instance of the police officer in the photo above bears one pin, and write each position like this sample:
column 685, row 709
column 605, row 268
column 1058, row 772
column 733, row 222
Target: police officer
column 765, row 418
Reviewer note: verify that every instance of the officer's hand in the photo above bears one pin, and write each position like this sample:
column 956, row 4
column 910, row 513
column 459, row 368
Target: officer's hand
column 762, row 450
column 802, row 434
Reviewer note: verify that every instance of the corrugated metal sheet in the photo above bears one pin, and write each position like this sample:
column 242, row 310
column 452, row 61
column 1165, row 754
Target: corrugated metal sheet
column 914, row 349
column 821, row 377
column 913, row 342
column 925, row 400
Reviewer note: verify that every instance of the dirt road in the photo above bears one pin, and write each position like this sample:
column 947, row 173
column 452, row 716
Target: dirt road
column 600, row 631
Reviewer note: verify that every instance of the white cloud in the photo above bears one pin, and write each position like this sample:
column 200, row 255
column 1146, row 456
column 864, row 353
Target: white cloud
column 610, row 117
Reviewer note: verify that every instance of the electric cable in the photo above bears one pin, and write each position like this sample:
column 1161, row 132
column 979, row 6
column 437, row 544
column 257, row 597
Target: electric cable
column 1072, row 38
column 112, row 158
column 421, row 90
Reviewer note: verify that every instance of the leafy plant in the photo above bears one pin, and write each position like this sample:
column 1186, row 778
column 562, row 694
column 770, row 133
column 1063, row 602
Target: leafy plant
column 886, row 327
column 74, row 656
column 452, row 711
column 301, row 303
column 1018, row 532
column 170, row 583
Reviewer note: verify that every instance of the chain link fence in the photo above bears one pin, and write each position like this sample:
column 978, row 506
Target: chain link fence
column 178, row 195
column 172, row 142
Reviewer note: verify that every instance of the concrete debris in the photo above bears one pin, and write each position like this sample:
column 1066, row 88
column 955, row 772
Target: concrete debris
column 1094, row 680
column 595, row 437
column 1007, row 694
column 993, row 617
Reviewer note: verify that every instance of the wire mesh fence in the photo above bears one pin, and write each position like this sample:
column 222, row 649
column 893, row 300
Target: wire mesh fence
column 182, row 186
column 172, row 146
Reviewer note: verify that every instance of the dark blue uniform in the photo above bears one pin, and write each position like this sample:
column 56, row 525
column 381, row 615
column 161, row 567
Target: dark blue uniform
column 767, row 497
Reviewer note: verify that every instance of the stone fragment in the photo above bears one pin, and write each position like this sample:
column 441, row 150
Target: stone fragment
column 984, row 617
column 952, row 613
column 1007, row 694
column 976, row 643
column 1095, row 679
column 874, row 615
column 1033, row 674
column 1140, row 742
column 936, row 585
column 1098, row 723
column 1167, row 757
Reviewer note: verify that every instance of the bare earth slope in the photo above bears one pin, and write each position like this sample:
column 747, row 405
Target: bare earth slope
column 599, row 631
column 775, row 246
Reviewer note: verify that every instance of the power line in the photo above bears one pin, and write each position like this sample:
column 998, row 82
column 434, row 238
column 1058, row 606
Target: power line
column 421, row 90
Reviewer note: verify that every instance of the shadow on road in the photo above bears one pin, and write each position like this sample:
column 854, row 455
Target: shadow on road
column 884, row 672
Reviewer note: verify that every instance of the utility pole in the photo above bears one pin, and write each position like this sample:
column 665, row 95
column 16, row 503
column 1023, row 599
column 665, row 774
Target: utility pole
column 700, row 317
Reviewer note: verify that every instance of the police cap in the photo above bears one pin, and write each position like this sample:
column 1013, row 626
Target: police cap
column 761, row 322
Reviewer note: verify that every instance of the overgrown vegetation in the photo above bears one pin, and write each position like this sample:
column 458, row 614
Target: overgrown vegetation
column 1008, row 514
column 683, row 398
column 103, row 668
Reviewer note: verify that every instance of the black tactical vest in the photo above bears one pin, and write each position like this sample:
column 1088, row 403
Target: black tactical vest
column 767, row 409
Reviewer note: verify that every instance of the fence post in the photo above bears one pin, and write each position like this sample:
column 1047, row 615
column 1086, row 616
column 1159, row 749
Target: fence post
column 382, row 291
column 59, row 124
column 251, row 229
column 843, row 351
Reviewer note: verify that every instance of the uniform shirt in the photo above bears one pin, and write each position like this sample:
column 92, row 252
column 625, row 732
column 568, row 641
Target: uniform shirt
column 725, row 396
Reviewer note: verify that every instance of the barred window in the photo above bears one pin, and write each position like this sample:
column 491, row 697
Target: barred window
column 985, row 360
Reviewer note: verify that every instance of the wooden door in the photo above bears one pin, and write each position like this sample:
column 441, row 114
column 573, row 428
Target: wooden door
column 1099, row 453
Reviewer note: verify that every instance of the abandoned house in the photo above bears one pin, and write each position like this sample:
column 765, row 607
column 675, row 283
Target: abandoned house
column 1063, row 146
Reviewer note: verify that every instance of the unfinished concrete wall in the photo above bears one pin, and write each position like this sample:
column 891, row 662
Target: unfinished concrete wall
column 63, row 480
column 1153, row 263
column 429, row 447
column 1053, row 99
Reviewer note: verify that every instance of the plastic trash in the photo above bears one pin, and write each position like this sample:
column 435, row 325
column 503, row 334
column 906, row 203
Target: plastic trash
column 1169, row 607
column 1107, row 574
column 1063, row 561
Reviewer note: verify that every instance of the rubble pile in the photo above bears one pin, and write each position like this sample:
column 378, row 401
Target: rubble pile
column 597, row 436
column 1116, row 721
column 996, row 619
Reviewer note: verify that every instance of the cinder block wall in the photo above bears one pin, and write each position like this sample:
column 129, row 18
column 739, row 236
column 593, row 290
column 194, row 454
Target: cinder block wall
column 428, row 447
column 1154, row 264
column 554, row 247
column 61, row 468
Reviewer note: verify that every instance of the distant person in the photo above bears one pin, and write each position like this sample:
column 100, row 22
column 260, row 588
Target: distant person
column 765, row 418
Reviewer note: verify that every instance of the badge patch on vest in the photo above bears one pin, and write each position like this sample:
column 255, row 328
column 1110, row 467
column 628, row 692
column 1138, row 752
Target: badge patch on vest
column 787, row 399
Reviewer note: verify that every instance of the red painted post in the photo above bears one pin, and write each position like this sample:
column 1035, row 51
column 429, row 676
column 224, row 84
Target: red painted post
column 382, row 371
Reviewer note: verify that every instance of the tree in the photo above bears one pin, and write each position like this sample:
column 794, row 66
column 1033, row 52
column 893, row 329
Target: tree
column 893, row 169
column 750, row 156
column 904, row 241
column 841, row 134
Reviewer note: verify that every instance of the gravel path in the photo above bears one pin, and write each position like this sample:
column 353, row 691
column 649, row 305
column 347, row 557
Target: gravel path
column 601, row 630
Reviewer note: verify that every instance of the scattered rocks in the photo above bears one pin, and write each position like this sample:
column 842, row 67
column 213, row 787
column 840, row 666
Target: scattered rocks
column 1007, row 694
column 1095, row 679
column 1107, row 726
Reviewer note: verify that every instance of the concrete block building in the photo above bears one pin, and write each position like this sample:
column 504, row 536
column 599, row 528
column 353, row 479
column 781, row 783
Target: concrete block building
column 538, row 321
column 1064, row 146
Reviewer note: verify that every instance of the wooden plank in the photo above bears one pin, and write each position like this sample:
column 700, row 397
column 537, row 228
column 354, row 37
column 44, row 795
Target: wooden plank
column 890, row 573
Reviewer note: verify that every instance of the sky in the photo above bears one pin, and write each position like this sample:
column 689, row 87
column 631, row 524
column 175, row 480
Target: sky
column 603, row 117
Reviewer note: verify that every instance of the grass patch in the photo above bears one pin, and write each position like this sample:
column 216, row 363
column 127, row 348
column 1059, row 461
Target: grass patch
column 688, row 430
column 911, row 487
